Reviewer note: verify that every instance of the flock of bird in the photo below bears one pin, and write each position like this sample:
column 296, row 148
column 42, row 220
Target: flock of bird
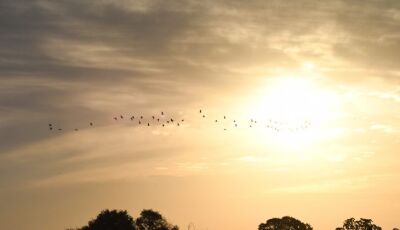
column 163, row 120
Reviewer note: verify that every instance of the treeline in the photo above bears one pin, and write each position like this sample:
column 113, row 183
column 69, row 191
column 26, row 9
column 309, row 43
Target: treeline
column 153, row 220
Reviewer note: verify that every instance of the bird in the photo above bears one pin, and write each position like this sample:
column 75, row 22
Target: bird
column 168, row 122
column 183, row 120
column 59, row 129
column 224, row 129
column 178, row 124
column 152, row 117
column 140, row 122
column 76, row 129
column 133, row 117
column 51, row 128
column 163, row 125
column 200, row 111
column 162, row 113
column 224, row 117
column 115, row 118
column 216, row 120
column 148, row 124
column 172, row 120
column 122, row 117
column 141, row 117
column 158, row 119
column 50, row 124
column 91, row 124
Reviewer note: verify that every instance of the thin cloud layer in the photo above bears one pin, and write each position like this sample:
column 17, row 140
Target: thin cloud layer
column 72, row 62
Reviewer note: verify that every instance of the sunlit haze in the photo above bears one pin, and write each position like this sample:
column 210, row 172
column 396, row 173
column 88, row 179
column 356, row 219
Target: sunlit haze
column 250, row 110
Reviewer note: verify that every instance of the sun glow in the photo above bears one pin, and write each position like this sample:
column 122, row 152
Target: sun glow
column 296, row 110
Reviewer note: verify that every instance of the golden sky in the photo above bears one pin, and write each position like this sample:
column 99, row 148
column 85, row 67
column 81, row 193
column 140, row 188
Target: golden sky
column 331, row 64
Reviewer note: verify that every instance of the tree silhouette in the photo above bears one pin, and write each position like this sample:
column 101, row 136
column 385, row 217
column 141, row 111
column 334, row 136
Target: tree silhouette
column 152, row 220
column 362, row 224
column 285, row 223
column 111, row 220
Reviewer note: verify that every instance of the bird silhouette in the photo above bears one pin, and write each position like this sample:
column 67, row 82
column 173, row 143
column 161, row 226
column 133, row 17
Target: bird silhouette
column 91, row 124
column 115, row 118
column 162, row 113
column 148, row 124
column 152, row 117
column 122, row 117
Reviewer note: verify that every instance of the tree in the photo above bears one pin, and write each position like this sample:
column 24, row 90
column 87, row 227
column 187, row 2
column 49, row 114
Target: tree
column 362, row 224
column 115, row 220
column 152, row 220
column 285, row 223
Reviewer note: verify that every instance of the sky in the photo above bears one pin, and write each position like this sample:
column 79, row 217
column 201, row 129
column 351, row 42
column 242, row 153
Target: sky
column 325, row 73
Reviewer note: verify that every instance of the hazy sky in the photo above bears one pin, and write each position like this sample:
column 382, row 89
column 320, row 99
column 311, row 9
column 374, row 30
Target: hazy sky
column 71, row 62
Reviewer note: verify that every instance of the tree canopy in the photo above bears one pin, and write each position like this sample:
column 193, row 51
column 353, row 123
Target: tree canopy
column 152, row 220
column 362, row 224
column 284, row 223
column 115, row 220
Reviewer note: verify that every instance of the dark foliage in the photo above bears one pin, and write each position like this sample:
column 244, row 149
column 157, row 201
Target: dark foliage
column 284, row 223
column 152, row 220
column 362, row 224
column 111, row 220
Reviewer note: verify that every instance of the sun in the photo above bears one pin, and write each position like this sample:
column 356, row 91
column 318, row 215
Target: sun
column 295, row 109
